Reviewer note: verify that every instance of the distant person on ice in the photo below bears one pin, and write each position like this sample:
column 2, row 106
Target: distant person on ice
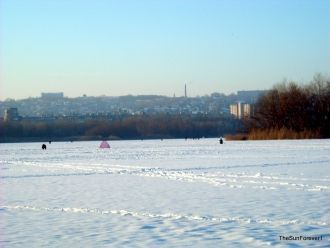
column 221, row 141
column 43, row 147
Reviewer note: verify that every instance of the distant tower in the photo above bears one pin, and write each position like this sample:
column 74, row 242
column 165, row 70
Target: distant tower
column 185, row 90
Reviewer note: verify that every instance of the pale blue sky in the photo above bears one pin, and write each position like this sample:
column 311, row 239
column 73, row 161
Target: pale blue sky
column 154, row 47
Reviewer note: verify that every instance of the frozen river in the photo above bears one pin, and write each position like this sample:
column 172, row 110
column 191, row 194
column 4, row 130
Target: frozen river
column 170, row 193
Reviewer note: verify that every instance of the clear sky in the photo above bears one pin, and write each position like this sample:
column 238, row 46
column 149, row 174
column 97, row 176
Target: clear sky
column 103, row 47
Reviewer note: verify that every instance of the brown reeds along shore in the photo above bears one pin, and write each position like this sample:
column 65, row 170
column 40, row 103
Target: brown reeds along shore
column 275, row 134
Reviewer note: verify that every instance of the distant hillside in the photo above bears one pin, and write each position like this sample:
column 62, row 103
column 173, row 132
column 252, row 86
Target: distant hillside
column 58, row 105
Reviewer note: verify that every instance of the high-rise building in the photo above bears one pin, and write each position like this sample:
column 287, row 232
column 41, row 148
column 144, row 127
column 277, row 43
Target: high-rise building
column 241, row 110
column 11, row 114
column 250, row 96
column 233, row 108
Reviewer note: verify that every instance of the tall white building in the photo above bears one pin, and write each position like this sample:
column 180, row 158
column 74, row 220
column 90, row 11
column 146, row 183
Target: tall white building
column 241, row 110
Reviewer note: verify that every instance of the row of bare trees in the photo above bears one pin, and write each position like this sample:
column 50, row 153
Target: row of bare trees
column 131, row 127
column 294, row 107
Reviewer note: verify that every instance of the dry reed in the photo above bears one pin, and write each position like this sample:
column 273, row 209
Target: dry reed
column 275, row 134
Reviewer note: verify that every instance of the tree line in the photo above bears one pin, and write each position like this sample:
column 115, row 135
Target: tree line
column 292, row 108
column 131, row 127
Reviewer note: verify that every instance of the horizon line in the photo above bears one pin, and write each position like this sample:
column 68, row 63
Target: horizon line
column 133, row 95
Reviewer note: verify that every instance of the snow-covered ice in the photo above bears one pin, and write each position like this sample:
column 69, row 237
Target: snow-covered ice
column 165, row 193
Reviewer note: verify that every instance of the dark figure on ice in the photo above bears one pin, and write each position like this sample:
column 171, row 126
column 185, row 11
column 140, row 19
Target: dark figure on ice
column 50, row 142
column 43, row 147
column 221, row 141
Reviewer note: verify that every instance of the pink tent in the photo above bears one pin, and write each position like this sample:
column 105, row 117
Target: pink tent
column 104, row 144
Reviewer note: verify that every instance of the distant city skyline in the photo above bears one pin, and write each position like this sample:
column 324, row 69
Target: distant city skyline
column 61, row 94
column 50, row 105
column 118, row 48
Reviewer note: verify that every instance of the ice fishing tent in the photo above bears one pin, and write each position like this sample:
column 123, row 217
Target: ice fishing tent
column 104, row 144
